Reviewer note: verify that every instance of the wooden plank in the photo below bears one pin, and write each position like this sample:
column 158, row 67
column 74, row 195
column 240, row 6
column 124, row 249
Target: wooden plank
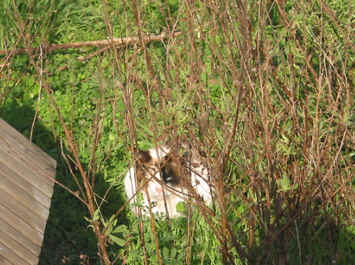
column 28, row 155
column 12, row 144
column 28, row 170
column 20, row 186
column 3, row 260
column 10, row 201
column 25, row 195
column 17, row 138
column 17, row 236
column 34, row 177
column 16, row 146
column 18, row 249
column 25, row 229
column 10, row 256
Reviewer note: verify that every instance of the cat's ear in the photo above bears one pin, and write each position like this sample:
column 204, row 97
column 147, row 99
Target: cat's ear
column 143, row 156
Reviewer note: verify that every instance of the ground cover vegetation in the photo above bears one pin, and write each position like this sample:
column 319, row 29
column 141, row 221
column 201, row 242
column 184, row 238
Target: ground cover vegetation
column 264, row 89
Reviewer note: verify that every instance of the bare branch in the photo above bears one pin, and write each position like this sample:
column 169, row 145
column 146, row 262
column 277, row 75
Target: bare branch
column 114, row 42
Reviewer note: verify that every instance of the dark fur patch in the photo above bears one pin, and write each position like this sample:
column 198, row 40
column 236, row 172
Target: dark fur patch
column 144, row 156
column 168, row 172
column 170, row 176
column 172, row 167
column 173, row 170
column 143, row 159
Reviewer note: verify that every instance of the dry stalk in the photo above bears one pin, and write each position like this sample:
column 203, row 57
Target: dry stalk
column 114, row 42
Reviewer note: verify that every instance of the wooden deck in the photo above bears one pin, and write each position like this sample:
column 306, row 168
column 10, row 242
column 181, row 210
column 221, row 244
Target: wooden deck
column 25, row 195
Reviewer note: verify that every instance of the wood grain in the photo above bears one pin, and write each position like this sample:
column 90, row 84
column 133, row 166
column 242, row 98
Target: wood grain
column 26, row 188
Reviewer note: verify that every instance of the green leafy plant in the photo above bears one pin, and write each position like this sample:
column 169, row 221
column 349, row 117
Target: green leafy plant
column 263, row 89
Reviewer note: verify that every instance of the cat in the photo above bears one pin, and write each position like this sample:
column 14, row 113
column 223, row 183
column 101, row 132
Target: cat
column 166, row 179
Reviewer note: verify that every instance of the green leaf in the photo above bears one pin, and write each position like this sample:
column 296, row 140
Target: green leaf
column 173, row 253
column 181, row 207
column 165, row 252
column 120, row 229
column 285, row 185
column 119, row 241
column 96, row 216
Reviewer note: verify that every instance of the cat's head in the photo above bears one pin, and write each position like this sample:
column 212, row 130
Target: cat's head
column 168, row 176
column 160, row 164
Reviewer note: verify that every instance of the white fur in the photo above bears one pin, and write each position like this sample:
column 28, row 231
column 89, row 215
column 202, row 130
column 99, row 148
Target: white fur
column 155, row 189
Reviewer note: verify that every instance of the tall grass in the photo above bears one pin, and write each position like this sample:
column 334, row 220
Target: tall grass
column 263, row 89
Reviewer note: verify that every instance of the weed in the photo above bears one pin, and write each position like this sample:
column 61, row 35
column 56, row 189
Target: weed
column 263, row 89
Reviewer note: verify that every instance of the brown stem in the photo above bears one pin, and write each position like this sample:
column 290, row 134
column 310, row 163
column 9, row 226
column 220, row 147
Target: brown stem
column 97, row 43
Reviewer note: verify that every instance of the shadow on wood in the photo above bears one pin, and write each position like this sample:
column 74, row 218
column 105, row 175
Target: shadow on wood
column 25, row 196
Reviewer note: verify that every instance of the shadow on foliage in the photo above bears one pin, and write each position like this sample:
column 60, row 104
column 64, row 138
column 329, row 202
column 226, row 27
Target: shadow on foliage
column 309, row 239
column 67, row 239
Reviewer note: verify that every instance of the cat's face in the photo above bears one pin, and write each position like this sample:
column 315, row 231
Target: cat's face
column 157, row 166
column 168, row 178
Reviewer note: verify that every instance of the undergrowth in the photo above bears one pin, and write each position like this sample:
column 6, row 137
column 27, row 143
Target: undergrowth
column 264, row 89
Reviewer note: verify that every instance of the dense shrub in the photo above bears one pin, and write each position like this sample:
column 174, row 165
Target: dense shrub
column 264, row 89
